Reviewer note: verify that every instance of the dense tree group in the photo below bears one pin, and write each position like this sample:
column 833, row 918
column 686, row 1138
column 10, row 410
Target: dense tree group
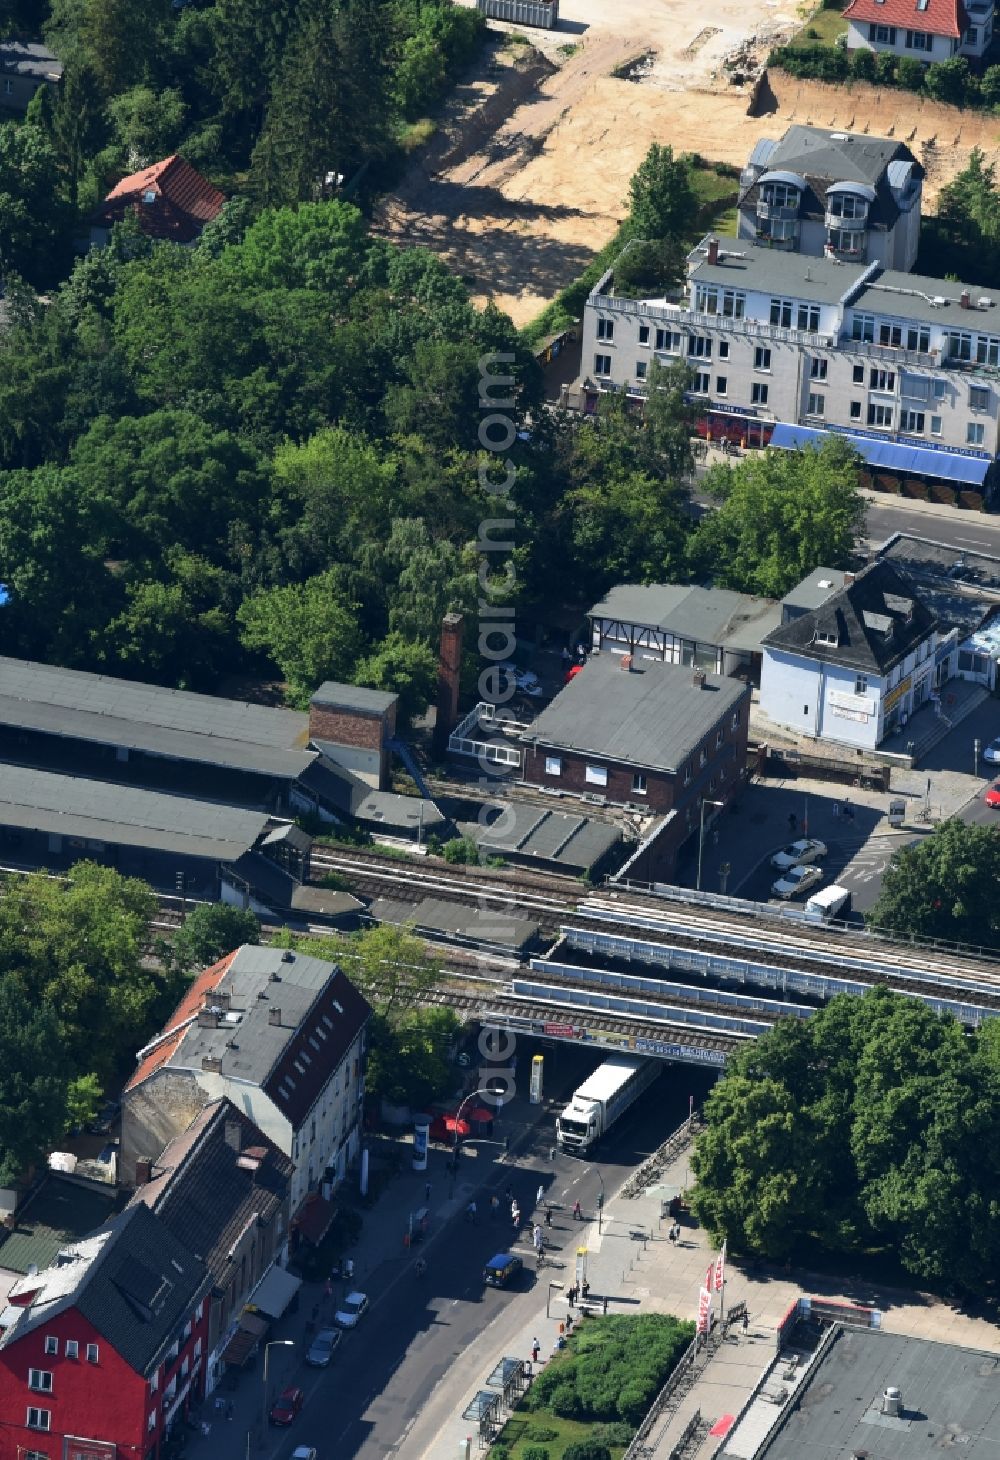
column 944, row 886
column 872, row 1126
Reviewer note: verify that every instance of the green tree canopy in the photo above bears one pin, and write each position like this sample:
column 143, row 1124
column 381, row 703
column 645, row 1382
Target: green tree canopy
column 309, row 630
column 33, row 213
column 943, row 886
column 780, row 513
column 211, row 930
column 661, row 196
column 402, row 667
column 33, row 1081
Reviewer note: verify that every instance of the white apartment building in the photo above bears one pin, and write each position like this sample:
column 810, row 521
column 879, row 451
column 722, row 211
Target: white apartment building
column 785, row 347
column 833, row 194
column 926, row 30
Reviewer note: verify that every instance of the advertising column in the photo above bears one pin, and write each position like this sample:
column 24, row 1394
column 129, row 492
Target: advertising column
column 421, row 1135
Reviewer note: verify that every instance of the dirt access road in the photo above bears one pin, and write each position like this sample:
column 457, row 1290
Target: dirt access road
column 527, row 177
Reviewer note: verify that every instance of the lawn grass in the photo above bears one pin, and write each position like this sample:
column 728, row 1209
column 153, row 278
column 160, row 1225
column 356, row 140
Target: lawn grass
column 821, row 29
column 517, row 1435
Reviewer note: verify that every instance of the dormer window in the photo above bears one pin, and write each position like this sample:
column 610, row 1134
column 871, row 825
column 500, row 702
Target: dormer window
column 826, row 636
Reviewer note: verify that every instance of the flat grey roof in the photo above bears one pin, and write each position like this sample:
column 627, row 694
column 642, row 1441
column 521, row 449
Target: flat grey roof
column 147, row 717
column 961, row 587
column 71, row 806
column 744, row 265
column 526, row 831
column 815, row 589
column 909, row 296
column 715, row 616
column 950, row 1397
column 29, row 58
column 335, row 696
column 453, row 920
column 654, row 715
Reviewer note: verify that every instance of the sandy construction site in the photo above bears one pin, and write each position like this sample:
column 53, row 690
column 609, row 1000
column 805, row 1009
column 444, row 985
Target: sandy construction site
column 526, row 178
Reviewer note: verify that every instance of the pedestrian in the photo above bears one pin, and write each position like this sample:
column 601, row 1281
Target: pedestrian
column 571, row 1295
column 836, row 809
column 536, row 1237
column 605, row 1305
column 585, row 1290
column 536, row 1349
column 494, row 1205
column 577, row 1212
column 672, row 1235
column 427, row 1192
column 566, row 655
column 515, row 1217
column 746, row 1322
column 792, row 822
column 539, row 1194
column 548, row 1216
column 471, row 1212
column 229, row 1410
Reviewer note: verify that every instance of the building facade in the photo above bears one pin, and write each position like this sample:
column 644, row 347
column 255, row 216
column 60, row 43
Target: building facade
column 102, row 1354
column 25, row 66
column 927, row 31
column 702, row 628
column 907, row 367
column 856, row 668
column 281, row 1035
column 833, row 194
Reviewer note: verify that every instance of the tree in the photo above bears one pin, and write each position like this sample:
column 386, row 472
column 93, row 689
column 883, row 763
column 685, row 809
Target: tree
column 404, row 668
column 33, row 1082
column 308, row 629
column 121, row 40
column 944, row 886
column 211, row 930
column 33, row 215
column 781, row 512
column 948, row 81
column 314, row 246
column 338, row 492
column 147, row 124
column 407, row 1058
column 391, row 967
column 661, row 196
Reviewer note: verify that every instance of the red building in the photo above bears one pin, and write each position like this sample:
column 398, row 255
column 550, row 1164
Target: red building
column 104, row 1351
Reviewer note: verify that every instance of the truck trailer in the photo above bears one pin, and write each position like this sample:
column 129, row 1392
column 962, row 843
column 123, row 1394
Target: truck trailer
column 602, row 1098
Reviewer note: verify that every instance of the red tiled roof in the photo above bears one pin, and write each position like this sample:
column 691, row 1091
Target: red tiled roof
column 939, row 17
column 159, row 1050
column 183, row 203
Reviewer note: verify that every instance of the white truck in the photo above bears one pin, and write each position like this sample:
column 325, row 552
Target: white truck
column 601, row 1099
column 826, row 904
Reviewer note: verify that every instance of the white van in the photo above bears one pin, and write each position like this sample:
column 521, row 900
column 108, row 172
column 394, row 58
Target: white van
column 828, row 903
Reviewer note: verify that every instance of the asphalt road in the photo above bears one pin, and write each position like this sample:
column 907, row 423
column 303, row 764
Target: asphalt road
column 418, row 1328
column 973, row 531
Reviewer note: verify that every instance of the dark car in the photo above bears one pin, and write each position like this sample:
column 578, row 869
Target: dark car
column 287, row 1405
column 502, row 1270
column 105, row 1119
column 320, row 1351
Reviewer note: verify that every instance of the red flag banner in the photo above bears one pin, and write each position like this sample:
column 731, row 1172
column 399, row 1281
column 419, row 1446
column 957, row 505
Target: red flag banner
column 710, row 1276
column 704, row 1309
column 720, row 1269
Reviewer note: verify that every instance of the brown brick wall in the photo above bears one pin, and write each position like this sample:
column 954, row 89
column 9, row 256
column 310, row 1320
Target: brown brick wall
column 659, row 784
column 449, row 674
column 349, row 727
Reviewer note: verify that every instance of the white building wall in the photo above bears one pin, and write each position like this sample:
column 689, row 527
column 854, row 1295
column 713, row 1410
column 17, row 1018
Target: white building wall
column 790, row 691
column 859, row 37
column 851, row 709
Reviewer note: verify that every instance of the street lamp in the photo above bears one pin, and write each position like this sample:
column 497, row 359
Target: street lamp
column 701, row 837
column 548, row 1297
column 275, row 1343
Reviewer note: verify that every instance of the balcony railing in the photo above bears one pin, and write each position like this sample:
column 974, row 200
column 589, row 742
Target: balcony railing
column 856, row 224
column 776, row 210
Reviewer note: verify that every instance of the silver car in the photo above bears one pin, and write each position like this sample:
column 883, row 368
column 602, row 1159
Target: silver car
column 322, row 1348
column 796, row 880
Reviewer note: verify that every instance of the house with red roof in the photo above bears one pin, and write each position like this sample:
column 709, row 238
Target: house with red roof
column 171, row 199
column 926, row 30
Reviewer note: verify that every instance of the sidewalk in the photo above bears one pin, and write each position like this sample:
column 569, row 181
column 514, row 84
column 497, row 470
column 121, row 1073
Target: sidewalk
column 639, row 1270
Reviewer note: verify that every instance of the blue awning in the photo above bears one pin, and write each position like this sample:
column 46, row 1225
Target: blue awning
column 950, row 466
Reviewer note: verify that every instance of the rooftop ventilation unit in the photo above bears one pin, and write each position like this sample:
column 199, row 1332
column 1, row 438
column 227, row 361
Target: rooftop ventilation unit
column 892, row 1401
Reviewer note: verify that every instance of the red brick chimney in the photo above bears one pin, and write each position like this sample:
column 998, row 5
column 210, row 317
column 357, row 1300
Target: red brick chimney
column 449, row 673
column 713, row 250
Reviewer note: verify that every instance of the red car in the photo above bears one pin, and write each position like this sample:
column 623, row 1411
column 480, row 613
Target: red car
column 993, row 794
column 286, row 1406
column 572, row 673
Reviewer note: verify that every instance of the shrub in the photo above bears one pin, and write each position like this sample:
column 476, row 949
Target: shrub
column 534, row 1452
column 587, row 1450
column 910, row 73
column 863, row 65
column 618, row 1433
column 885, row 68
column 544, row 1433
column 461, row 849
column 948, row 81
column 564, row 1402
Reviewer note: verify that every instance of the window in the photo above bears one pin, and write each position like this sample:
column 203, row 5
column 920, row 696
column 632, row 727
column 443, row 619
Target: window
column 640, row 370
column 858, row 374
column 969, row 39
column 979, row 398
column 33, row 1455
column 553, row 765
column 761, row 358
column 880, row 416
column 883, row 35
column 710, row 299
column 882, row 380
column 602, row 364
column 735, row 719
column 40, row 1379
column 846, row 205
column 199, row 1311
column 687, row 773
column 699, row 347
column 605, row 329
column 702, row 383
column 151, row 1422
column 703, row 757
column 668, row 340
column 846, row 240
column 718, row 739
column 596, row 775
column 855, row 410
column 912, row 421
column 918, row 337
column 781, row 312
column 987, row 350
column 863, row 327
column 92, row 1353
column 781, row 195
column 975, row 433
column 51, row 1345
column 805, row 709
column 807, row 318
column 723, row 349
column 916, row 387
column 758, row 394
column 722, row 385
column 38, row 1419
column 919, row 40
column 644, row 334
column 816, row 405
column 935, row 425
column 959, row 345
column 154, row 1382
column 638, row 784
column 72, row 1348
column 817, row 369
column 861, row 684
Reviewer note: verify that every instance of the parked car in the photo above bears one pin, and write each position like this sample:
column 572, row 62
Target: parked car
column 992, row 751
column 287, row 1405
column 502, row 1270
column 303, row 1452
column 806, row 849
column 321, row 1350
column 524, row 680
column 351, row 1310
column 105, row 1119
column 992, row 797
column 796, row 880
